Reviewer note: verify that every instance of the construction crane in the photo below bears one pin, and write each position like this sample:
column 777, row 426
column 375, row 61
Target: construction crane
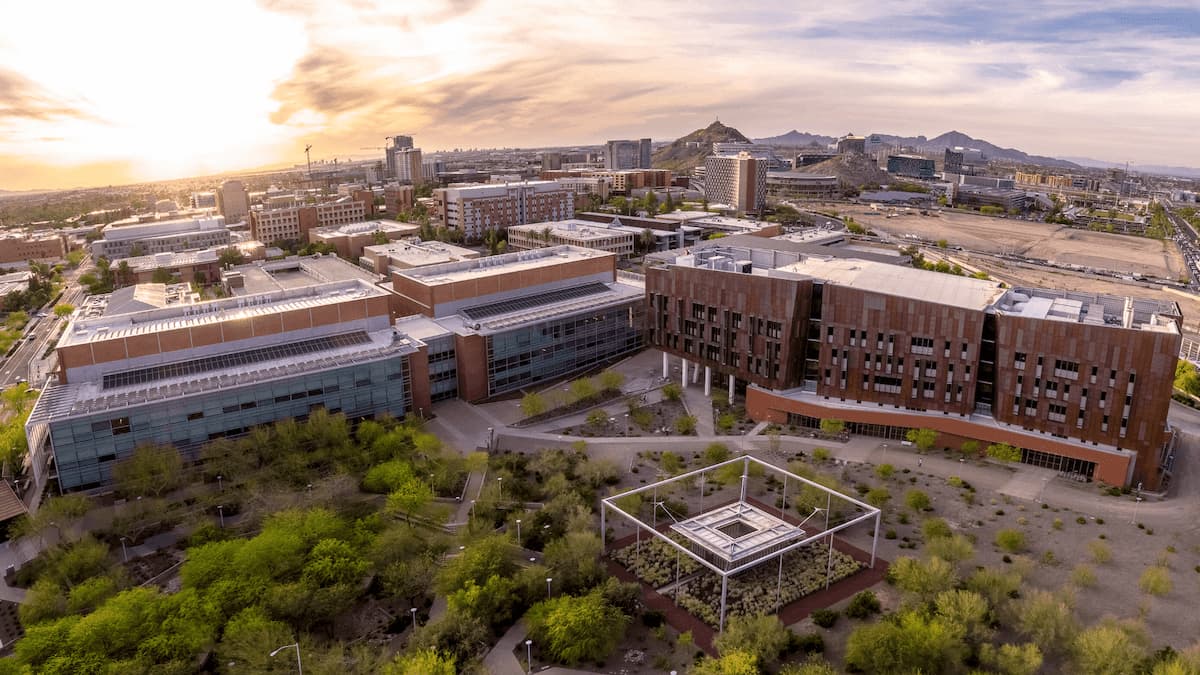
column 308, row 159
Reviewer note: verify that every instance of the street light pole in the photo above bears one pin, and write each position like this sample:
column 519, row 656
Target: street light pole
column 548, row 580
column 500, row 482
column 221, row 514
column 413, row 611
column 220, row 484
column 296, row 645
column 518, row 531
column 529, row 656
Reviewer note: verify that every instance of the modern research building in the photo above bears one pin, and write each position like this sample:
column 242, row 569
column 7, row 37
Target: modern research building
column 150, row 365
column 1078, row 382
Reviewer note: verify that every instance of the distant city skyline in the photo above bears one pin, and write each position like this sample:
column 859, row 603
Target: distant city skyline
column 127, row 91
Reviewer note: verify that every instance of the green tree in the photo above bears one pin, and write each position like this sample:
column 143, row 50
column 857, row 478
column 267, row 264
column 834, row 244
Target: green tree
column 832, row 427
column 162, row 275
column 410, row 497
column 733, row 663
column 764, row 636
column 574, row 560
column 685, row 425
column 924, row 439
column 611, row 380
column 923, row 579
column 878, row 496
column 231, row 256
column 1004, row 452
column 1008, row 659
column 672, row 391
column 582, row 389
column 574, row 629
column 63, row 309
column 533, row 404
column 1047, row 619
column 967, row 610
column 970, row 448
column 671, row 463
column 1111, row 648
column 422, row 662
column 907, row 642
column 151, row 471
column 597, row 418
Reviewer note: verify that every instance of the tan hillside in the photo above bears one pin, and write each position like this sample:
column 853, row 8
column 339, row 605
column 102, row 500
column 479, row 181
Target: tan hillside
column 690, row 151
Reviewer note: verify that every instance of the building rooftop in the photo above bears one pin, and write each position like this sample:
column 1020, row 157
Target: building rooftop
column 579, row 230
column 907, row 282
column 159, row 228
column 15, row 281
column 506, row 263
column 294, row 272
column 366, row 227
column 799, row 176
column 217, row 374
column 1090, row 308
column 815, row 235
column 492, row 317
column 419, row 253
column 90, row 325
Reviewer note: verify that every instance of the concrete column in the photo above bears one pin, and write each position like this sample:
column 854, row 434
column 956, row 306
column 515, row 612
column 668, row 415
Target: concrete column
column 683, row 382
column 696, row 373
column 707, row 380
column 731, row 380
column 666, row 366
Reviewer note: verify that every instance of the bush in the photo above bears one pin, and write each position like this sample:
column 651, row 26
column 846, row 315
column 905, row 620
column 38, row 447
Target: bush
column 1100, row 551
column 1010, row 540
column 917, row 500
column 825, row 618
column 1155, row 581
column 672, row 391
column 1083, row 576
column 885, row 471
column 863, row 605
column 808, row 643
column 1057, row 524
column 820, row 454
column 954, row 482
column 1081, row 520
column 935, row 527
column 685, row 425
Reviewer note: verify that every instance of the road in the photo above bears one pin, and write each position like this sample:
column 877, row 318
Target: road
column 38, row 338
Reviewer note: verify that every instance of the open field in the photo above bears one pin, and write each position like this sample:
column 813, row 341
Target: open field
column 1036, row 240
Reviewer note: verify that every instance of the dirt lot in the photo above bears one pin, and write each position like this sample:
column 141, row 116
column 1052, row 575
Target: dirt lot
column 1036, row 240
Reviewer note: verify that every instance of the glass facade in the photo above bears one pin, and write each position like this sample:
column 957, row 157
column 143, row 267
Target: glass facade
column 537, row 352
column 85, row 448
column 443, row 369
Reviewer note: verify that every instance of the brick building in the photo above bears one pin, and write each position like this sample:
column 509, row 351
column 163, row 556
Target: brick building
column 21, row 248
column 1078, row 382
column 475, row 209
column 293, row 223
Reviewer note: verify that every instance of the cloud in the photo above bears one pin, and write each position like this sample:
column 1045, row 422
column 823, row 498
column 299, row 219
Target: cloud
column 22, row 99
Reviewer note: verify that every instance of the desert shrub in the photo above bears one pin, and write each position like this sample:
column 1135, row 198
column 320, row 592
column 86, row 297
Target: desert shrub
column 1010, row 540
column 825, row 618
column 862, row 605
column 1155, row 581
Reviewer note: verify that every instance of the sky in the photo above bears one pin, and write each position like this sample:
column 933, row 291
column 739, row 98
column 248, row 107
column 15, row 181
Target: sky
column 120, row 91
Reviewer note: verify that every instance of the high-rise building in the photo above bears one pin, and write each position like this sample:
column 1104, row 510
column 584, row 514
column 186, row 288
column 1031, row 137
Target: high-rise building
column 389, row 153
column 204, row 200
column 738, row 181
column 552, row 161
column 952, row 162
column 408, row 166
column 619, row 155
column 1077, row 382
column 233, row 201
column 475, row 209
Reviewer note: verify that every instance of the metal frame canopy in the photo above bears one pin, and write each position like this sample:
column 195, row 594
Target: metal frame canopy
column 733, row 537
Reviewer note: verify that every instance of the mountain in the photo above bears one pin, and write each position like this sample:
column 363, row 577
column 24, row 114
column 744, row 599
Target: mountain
column 937, row 144
column 689, row 151
column 1157, row 169
column 797, row 139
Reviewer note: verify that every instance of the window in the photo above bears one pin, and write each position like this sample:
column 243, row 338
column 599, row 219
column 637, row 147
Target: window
column 195, row 416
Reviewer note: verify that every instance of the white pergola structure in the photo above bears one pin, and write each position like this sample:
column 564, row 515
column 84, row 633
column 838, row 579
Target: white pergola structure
column 737, row 536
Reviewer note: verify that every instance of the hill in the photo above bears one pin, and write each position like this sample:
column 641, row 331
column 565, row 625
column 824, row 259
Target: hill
column 797, row 139
column 690, row 151
column 851, row 170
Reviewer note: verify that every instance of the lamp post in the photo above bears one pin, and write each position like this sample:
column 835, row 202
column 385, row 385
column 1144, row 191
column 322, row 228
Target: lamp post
column 500, row 482
column 221, row 514
column 124, row 551
column 413, row 611
column 529, row 656
column 296, row 645
column 518, row 531
column 491, row 438
column 548, row 580
column 220, row 484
